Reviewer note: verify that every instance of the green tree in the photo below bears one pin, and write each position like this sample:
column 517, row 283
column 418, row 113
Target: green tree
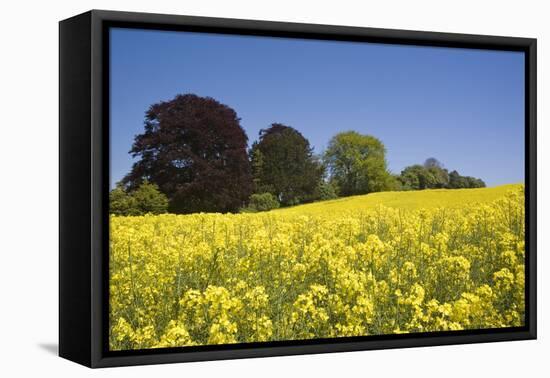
column 145, row 199
column 326, row 191
column 432, row 175
column 121, row 203
column 262, row 202
column 438, row 172
column 149, row 199
column 440, row 177
column 394, row 184
column 417, row 177
column 456, row 181
column 257, row 164
column 283, row 164
column 357, row 163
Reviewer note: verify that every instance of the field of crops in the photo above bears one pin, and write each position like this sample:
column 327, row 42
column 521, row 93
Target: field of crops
column 382, row 263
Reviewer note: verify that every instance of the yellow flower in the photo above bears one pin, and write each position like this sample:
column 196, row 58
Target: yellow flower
column 305, row 272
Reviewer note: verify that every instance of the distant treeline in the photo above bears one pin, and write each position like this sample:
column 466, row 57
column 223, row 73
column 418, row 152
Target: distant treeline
column 193, row 157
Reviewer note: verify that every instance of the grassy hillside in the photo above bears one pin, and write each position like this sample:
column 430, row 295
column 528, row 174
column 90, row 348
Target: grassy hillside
column 427, row 199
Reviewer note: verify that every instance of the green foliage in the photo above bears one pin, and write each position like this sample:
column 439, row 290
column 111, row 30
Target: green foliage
column 257, row 164
column 262, row 202
column 475, row 182
column 440, row 177
column 283, row 164
column 357, row 163
column 456, row 181
column 120, row 203
column 149, row 199
column 393, row 183
column 192, row 157
column 417, row 177
column 326, row 191
column 432, row 175
column 146, row 199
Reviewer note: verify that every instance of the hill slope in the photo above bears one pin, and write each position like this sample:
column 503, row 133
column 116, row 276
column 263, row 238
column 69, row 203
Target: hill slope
column 409, row 200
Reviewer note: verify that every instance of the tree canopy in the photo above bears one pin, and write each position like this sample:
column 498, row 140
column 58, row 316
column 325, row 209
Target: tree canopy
column 357, row 164
column 262, row 202
column 283, row 164
column 192, row 157
column 456, row 181
column 149, row 199
column 120, row 203
column 146, row 199
column 194, row 149
column 433, row 175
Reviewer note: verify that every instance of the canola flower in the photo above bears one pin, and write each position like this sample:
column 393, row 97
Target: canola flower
column 199, row 279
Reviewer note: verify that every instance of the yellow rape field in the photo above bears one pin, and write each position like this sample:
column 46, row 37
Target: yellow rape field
column 385, row 263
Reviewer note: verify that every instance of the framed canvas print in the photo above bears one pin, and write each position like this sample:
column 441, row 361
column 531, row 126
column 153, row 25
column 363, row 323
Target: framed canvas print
column 234, row 188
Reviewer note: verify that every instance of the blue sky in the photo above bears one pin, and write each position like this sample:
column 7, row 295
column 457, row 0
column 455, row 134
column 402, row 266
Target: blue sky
column 463, row 106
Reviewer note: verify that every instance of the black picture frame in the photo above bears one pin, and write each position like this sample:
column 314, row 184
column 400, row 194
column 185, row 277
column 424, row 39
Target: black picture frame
column 84, row 186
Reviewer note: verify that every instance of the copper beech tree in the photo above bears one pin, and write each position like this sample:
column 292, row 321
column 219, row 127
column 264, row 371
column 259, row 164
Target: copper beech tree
column 194, row 149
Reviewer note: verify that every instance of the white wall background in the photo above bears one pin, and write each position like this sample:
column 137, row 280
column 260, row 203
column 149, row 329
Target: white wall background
column 29, row 185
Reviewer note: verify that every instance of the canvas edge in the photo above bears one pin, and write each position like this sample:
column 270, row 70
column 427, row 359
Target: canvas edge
column 75, row 333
